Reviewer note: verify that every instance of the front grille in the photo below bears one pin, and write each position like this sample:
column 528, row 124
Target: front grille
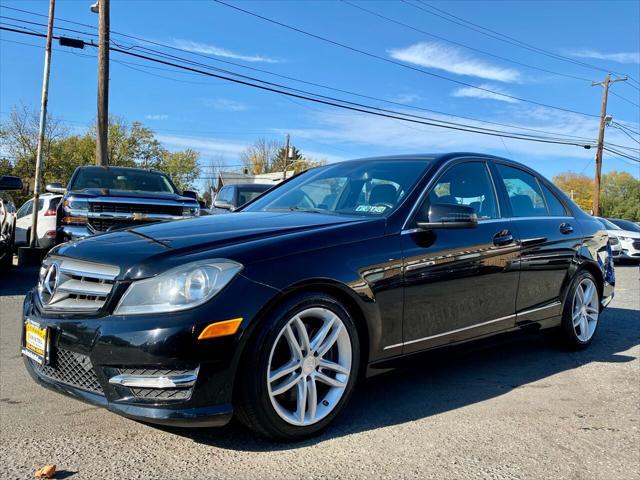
column 106, row 224
column 78, row 285
column 72, row 368
column 146, row 208
column 636, row 244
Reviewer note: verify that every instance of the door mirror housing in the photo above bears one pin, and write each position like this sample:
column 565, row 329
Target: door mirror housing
column 450, row 216
column 8, row 182
column 224, row 205
column 55, row 187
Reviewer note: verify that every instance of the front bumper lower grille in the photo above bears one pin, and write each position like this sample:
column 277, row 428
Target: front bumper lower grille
column 71, row 368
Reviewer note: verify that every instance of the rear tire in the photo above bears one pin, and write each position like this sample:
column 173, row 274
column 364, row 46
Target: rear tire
column 581, row 313
column 299, row 369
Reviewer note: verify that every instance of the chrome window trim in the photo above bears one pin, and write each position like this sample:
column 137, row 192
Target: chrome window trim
column 450, row 332
column 436, row 176
column 537, row 309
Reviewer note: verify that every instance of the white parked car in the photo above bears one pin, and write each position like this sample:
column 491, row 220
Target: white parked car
column 47, row 206
column 626, row 242
column 629, row 236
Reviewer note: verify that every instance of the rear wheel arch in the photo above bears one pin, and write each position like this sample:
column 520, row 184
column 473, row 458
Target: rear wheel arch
column 593, row 269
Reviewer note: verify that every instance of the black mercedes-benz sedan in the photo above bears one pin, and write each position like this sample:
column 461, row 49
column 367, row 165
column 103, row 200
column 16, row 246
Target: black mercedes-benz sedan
column 274, row 312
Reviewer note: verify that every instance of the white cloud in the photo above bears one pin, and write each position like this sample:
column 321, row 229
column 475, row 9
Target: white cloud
column 206, row 146
column 476, row 93
column 157, row 116
column 199, row 47
column 620, row 57
column 407, row 98
column 443, row 57
column 225, row 105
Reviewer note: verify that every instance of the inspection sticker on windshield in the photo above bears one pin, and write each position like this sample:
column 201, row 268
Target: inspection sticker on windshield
column 371, row 208
column 35, row 342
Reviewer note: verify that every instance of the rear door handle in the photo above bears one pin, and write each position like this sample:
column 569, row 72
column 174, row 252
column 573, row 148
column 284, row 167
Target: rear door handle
column 565, row 228
column 503, row 237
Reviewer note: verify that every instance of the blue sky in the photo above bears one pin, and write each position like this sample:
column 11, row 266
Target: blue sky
column 219, row 119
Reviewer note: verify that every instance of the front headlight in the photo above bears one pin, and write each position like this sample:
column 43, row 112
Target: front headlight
column 180, row 288
column 190, row 211
column 624, row 239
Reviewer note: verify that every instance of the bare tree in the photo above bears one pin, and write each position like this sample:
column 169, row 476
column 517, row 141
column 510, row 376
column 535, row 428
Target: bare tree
column 261, row 156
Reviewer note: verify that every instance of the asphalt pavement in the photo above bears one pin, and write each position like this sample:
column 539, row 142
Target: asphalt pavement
column 518, row 409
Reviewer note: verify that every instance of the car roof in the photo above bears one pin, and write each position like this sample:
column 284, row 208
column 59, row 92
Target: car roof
column 437, row 157
column 249, row 185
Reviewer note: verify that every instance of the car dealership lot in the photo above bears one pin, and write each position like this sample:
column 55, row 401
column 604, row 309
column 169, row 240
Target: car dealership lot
column 519, row 409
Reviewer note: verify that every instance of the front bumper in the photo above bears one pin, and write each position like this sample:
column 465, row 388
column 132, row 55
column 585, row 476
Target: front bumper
column 88, row 354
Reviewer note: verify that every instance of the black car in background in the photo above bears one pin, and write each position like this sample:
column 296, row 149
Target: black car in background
column 231, row 197
column 99, row 199
column 274, row 312
column 7, row 219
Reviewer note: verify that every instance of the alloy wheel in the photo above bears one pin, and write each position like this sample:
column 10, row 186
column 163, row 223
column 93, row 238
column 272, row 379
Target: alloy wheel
column 585, row 309
column 309, row 366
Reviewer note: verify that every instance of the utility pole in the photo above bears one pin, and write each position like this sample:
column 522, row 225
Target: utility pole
column 102, row 138
column 603, row 121
column 42, row 127
column 286, row 158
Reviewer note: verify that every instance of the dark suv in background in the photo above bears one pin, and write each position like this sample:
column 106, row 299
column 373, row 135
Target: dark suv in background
column 100, row 199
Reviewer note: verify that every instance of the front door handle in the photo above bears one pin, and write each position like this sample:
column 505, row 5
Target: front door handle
column 503, row 237
column 565, row 228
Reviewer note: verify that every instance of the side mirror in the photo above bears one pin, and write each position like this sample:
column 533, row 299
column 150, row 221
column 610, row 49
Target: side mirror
column 190, row 194
column 55, row 187
column 8, row 182
column 223, row 205
column 450, row 216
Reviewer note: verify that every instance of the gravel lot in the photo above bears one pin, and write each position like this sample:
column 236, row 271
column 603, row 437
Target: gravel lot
column 519, row 409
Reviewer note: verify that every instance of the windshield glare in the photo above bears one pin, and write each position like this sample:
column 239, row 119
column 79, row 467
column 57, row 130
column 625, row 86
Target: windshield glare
column 122, row 179
column 373, row 188
column 608, row 225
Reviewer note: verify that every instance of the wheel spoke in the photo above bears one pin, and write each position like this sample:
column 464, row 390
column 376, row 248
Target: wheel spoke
column 588, row 293
column 576, row 317
column 584, row 328
column 332, row 382
column 592, row 310
column 329, row 341
column 286, row 369
column 312, row 398
column 286, row 385
column 336, row 367
column 319, row 337
column 302, row 398
column 294, row 346
column 302, row 333
column 579, row 296
column 591, row 317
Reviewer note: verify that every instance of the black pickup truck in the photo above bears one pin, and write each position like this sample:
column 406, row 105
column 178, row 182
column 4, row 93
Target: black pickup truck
column 100, row 199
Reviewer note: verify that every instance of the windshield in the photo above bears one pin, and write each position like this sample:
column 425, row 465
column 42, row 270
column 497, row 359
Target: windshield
column 626, row 225
column 246, row 194
column 373, row 188
column 608, row 225
column 122, row 179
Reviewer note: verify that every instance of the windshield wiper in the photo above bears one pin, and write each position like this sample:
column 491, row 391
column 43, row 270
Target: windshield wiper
column 297, row 209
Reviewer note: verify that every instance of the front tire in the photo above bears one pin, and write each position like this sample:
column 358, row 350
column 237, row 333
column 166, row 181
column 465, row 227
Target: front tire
column 581, row 312
column 300, row 369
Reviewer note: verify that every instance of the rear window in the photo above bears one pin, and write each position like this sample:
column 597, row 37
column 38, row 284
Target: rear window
column 524, row 192
column 246, row 194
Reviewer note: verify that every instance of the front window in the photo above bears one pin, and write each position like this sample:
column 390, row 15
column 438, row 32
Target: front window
column 114, row 178
column 371, row 188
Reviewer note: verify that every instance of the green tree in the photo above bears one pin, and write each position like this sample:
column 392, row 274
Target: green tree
column 182, row 167
column 620, row 197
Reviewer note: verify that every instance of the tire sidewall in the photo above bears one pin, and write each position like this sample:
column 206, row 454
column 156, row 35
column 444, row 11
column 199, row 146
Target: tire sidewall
column 268, row 417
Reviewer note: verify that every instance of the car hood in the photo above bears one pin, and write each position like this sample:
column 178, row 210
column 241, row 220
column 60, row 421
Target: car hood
column 245, row 237
column 138, row 195
column 624, row 233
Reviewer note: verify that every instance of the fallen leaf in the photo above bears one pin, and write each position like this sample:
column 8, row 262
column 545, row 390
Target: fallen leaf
column 48, row 471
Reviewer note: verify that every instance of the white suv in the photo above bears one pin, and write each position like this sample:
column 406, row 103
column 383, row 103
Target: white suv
column 47, row 206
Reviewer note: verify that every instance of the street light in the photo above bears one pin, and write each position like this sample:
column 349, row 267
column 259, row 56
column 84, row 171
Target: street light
column 95, row 8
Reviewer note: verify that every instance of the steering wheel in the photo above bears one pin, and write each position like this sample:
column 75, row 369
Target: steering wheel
column 308, row 198
column 383, row 204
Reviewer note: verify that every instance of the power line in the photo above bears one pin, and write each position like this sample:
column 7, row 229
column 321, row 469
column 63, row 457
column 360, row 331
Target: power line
column 626, row 133
column 624, row 98
column 624, row 127
column 338, row 102
column 484, row 52
column 394, row 62
column 173, row 57
column 413, row 107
